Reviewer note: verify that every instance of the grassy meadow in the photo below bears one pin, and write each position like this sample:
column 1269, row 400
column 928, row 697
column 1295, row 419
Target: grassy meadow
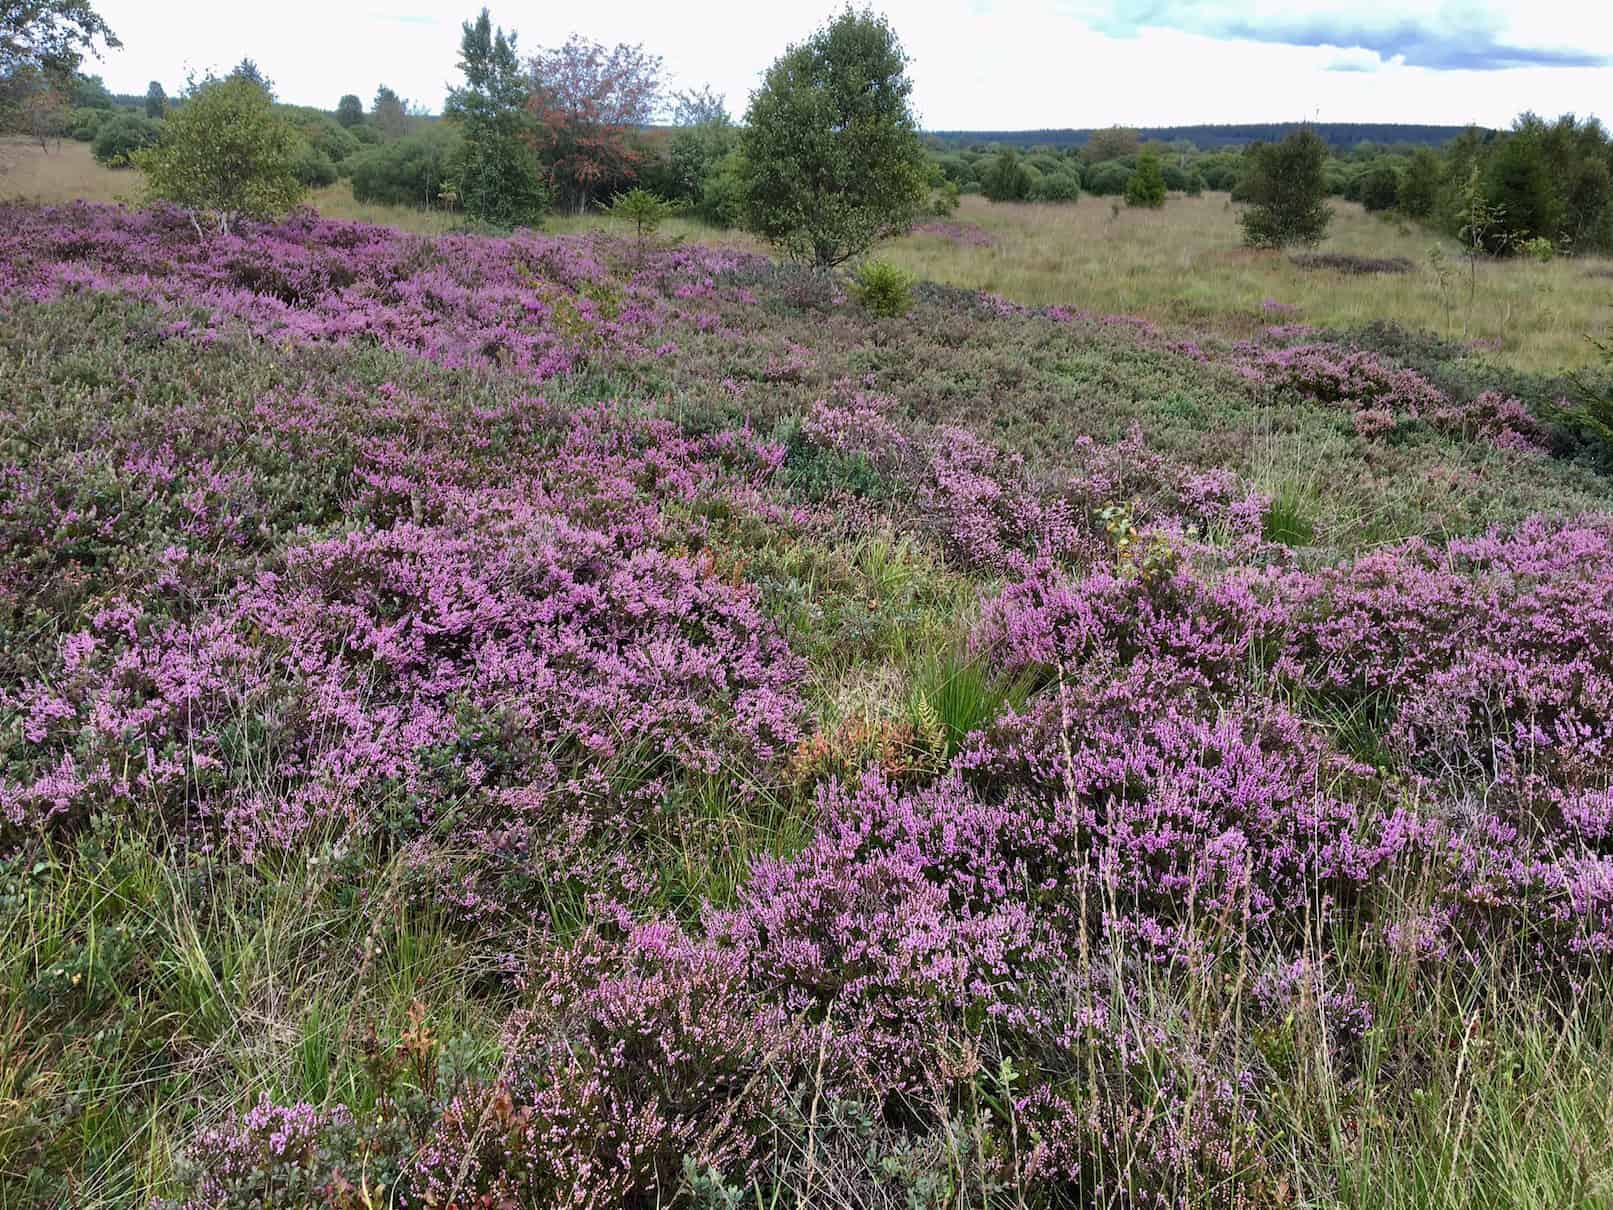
column 1183, row 265
column 549, row 720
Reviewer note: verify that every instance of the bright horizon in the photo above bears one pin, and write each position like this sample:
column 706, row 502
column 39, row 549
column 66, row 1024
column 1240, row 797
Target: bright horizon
column 976, row 64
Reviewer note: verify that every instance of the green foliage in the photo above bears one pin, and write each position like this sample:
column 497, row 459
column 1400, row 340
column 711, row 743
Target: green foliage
column 1147, row 185
column 498, row 176
column 1285, row 187
column 314, row 168
column 84, row 124
column 49, row 36
column 1061, row 186
column 1590, row 413
column 225, row 154
column 1008, row 179
column 350, row 110
column 1380, row 189
column 411, row 171
column 832, row 159
column 1517, row 182
column 387, row 114
column 883, row 288
column 700, row 169
column 156, row 101
column 1108, row 180
column 248, row 71
column 119, row 137
column 90, row 92
column 954, row 695
column 643, row 209
column 1421, row 184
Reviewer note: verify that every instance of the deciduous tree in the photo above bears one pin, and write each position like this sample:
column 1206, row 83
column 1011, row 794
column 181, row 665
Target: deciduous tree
column 156, row 101
column 586, row 100
column 51, row 36
column 832, row 159
column 225, row 155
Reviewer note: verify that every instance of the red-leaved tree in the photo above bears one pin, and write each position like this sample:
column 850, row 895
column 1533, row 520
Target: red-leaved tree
column 587, row 101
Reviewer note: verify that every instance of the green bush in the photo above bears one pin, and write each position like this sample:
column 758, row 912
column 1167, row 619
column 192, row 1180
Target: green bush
column 314, row 167
column 832, row 158
column 643, row 209
column 119, row 137
column 1008, row 179
column 1380, row 189
column 1285, row 184
column 1108, row 179
column 85, row 123
column 411, row 171
column 883, row 288
column 1146, row 188
column 1062, row 186
column 225, row 153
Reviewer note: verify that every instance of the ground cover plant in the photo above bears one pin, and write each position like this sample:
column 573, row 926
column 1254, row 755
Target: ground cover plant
column 579, row 720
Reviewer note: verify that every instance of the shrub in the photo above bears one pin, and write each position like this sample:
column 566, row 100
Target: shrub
column 883, row 288
column 497, row 176
column 1058, row 187
column 1343, row 262
column 84, row 123
column 225, row 154
column 120, row 137
column 411, row 171
column 1008, row 179
column 1147, row 185
column 350, row 110
column 1108, row 180
column 1285, row 187
column 832, row 160
column 314, row 168
column 1380, row 189
column 1419, row 187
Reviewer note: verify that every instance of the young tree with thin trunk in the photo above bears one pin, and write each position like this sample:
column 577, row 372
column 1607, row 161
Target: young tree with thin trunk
column 498, row 176
column 225, row 155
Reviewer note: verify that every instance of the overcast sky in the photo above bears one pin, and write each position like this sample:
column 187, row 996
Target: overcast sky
column 977, row 64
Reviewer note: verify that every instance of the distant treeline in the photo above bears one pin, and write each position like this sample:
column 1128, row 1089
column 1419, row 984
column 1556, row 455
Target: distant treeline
column 1213, row 138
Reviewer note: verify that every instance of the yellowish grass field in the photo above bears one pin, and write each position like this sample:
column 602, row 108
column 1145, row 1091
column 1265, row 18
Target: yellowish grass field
column 1182, row 265
column 1185, row 265
column 66, row 172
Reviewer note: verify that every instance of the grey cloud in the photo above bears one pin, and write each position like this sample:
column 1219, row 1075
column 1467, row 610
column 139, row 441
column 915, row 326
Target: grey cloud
column 1465, row 39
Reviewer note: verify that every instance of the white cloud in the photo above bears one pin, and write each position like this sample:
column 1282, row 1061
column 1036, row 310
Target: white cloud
column 977, row 64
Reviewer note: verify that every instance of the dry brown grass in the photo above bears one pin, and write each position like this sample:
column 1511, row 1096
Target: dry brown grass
column 1184, row 264
column 66, row 172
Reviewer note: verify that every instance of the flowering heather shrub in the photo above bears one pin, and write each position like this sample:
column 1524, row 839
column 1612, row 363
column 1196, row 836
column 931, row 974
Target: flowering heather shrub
column 536, row 305
column 1355, row 378
column 966, row 234
column 638, row 1058
column 662, row 701
column 279, row 1156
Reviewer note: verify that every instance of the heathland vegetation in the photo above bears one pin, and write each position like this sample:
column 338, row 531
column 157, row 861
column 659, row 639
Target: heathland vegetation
column 494, row 716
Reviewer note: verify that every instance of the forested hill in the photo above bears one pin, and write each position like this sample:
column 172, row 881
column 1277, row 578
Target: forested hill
column 1208, row 138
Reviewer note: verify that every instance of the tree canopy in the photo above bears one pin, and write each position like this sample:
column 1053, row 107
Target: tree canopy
column 832, row 159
